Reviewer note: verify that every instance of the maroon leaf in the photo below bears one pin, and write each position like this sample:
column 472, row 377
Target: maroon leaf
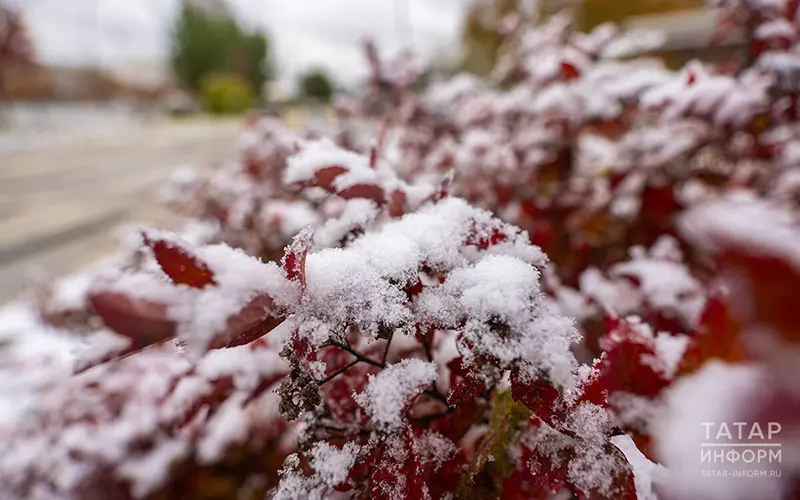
column 182, row 267
column 548, row 481
column 144, row 322
column 569, row 71
column 445, row 186
column 254, row 321
column 466, row 384
column 395, row 480
column 294, row 258
column 628, row 364
column 397, row 204
column 324, row 177
column 367, row 191
column 539, row 396
column 718, row 336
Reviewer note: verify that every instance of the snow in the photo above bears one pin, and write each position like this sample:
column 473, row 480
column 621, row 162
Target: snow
column 331, row 464
column 645, row 472
column 146, row 474
column 363, row 283
column 746, row 223
column 434, row 448
column 499, row 293
column 357, row 214
column 390, row 393
column 316, row 155
column 776, row 28
column 715, row 394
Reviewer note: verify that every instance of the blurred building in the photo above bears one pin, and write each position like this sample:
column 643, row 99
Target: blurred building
column 138, row 81
column 689, row 34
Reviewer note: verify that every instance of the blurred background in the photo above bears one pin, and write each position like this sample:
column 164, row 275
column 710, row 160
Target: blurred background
column 101, row 100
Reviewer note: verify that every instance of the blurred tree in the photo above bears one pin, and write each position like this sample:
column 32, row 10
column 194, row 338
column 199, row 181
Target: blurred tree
column 316, row 85
column 16, row 49
column 207, row 42
column 225, row 93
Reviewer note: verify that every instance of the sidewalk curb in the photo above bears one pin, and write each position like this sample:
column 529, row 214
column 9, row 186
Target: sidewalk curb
column 40, row 243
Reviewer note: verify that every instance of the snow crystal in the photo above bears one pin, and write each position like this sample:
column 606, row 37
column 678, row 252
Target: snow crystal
column 363, row 283
column 332, row 464
column 342, row 289
column 502, row 292
column 390, row 392
column 358, row 213
column 434, row 448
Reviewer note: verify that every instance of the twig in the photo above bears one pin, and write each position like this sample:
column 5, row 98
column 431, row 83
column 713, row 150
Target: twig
column 338, row 372
column 433, row 416
column 427, row 347
column 358, row 355
column 386, row 351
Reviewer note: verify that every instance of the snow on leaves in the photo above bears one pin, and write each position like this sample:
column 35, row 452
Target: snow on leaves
column 427, row 347
column 389, row 394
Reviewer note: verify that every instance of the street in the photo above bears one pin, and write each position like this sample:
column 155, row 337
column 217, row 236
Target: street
column 61, row 204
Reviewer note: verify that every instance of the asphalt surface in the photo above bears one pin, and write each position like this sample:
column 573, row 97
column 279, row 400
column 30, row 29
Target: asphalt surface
column 61, row 205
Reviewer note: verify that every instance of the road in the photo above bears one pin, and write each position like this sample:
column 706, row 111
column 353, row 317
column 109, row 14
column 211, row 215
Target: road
column 61, row 205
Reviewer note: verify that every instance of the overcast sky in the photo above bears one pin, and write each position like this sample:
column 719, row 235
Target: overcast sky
column 304, row 33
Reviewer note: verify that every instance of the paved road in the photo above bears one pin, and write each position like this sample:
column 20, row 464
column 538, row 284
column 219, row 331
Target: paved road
column 60, row 206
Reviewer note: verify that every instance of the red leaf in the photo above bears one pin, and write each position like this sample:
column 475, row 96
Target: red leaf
column 254, row 321
column 394, row 480
column 480, row 239
column 569, row 71
column 182, row 267
column 397, row 204
column 142, row 321
column 718, row 336
column 468, row 389
column 303, row 351
column 524, row 484
column 443, row 482
column 367, row 191
column 294, row 258
column 466, row 385
column 628, row 361
column 444, row 186
column 622, row 487
column 660, row 203
column 770, row 284
column 455, row 425
column 325, row 176
column 592, row 388
column 539, row 396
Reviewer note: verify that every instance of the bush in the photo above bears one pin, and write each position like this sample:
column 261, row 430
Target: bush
column 560, row 282
column 226, row 94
